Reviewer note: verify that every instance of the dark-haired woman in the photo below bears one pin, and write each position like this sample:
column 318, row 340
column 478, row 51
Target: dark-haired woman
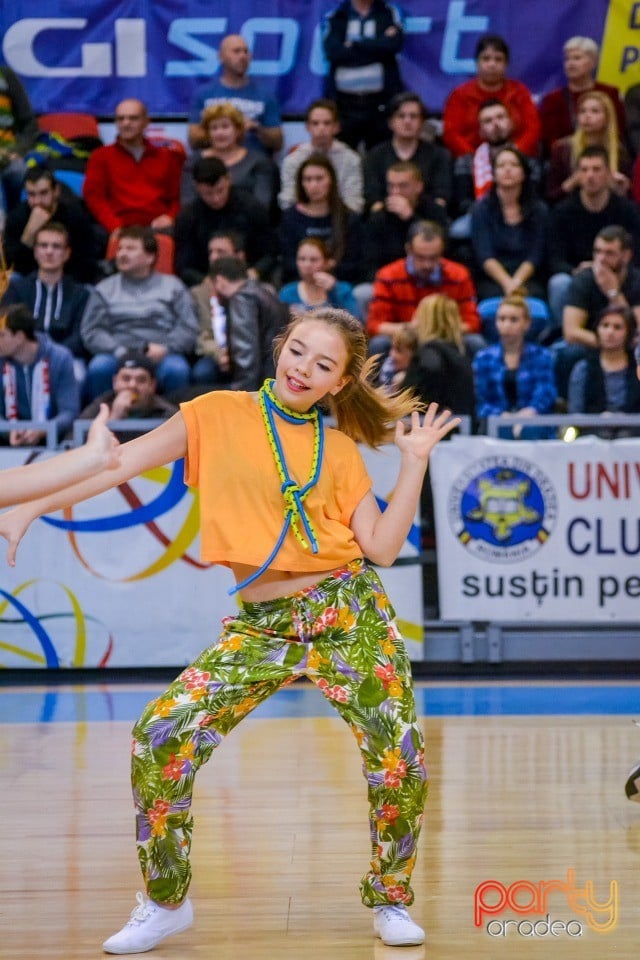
column 509, row 231
column 605, row 380
column 320, row 212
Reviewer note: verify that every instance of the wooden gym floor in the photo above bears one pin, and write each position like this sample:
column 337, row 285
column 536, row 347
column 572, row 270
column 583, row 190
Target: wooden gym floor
column 527, row 784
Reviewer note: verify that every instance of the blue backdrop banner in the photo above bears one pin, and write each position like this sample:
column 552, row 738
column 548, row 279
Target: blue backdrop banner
column 87, row 56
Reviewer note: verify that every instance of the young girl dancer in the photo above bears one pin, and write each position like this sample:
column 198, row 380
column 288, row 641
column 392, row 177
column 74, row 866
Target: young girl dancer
column 293, row 516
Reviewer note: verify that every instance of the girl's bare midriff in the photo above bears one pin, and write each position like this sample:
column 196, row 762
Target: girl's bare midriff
column 275, row 583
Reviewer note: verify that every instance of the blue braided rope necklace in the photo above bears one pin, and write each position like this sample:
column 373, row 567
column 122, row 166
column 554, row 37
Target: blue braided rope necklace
column 293, row 494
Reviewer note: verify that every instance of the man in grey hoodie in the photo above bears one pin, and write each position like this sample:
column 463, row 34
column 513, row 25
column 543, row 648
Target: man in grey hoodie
column 139, row 309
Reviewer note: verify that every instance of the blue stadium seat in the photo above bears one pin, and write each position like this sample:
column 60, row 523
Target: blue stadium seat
column 540, row 317
column 72, row 178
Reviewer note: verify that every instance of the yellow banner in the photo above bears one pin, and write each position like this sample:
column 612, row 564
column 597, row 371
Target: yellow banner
column 620, row 48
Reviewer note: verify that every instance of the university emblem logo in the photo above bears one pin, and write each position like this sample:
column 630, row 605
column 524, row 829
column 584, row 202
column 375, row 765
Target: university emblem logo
column 502, row 508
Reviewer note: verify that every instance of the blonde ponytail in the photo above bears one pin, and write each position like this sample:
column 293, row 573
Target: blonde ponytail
column 367, row 413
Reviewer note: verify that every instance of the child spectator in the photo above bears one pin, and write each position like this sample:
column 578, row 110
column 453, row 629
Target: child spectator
column 404, row 343
column 317, row 286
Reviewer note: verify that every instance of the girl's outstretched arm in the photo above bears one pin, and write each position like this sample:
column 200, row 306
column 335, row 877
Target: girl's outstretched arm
column 381, row 535
column 43, row 477
column 166, row 443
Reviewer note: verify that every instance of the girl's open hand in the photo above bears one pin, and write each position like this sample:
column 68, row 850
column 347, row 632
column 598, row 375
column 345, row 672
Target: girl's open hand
column 102, row 442
column 423, row 435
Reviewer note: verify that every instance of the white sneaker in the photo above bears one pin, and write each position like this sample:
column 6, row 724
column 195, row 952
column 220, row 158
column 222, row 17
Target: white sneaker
column 395, row 927
column 632, row 786
column 148, row 925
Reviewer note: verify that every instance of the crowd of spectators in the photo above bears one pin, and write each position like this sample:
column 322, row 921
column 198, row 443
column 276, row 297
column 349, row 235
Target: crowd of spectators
column 491, row 256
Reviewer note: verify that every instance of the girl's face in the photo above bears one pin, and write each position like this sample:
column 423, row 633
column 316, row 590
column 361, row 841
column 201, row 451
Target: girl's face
column 511, row 323
column 309, row 260
column 612, row 332
column 508, row 170
column 222, row 133
column 592, row 116
column 491, row 66
column 311, row 365
column 401, row 356
column 316, row 183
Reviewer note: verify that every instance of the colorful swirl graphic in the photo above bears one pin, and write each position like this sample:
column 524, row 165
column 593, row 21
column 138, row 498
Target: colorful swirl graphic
column 79, row 648
column 142, row 514
column 48, row 656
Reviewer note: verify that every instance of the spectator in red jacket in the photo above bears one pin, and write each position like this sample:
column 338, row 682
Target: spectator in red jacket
column 399, row 287
column 133, row 182
column 460, row 131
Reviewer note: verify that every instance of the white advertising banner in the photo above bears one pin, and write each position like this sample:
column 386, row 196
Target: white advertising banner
column 118, row 582
column 539, row 531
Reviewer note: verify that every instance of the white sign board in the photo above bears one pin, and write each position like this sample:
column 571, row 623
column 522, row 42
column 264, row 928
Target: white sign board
column 118, row 582
column 540, row 530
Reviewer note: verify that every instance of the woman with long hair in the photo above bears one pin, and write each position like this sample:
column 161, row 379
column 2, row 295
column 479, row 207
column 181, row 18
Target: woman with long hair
column 596, row 126
column 319, row 211
column 441, row 371
column 509, row 231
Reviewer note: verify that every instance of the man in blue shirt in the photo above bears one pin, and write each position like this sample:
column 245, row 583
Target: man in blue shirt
column 260, row 110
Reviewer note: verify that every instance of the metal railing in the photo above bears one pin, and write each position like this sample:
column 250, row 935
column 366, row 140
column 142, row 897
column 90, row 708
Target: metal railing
column 48, row 427
column 129, row 425
column 590, row 420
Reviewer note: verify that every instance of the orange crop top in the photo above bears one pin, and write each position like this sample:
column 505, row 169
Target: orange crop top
column 241, row 507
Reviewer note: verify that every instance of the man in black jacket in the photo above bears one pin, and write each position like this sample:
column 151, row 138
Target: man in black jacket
column 45, row 202
column 406, row 201
column 361, row 40
column 385, row 232
column 254, row 317
column 220, row 207
column 577, row 220
column 406, row 117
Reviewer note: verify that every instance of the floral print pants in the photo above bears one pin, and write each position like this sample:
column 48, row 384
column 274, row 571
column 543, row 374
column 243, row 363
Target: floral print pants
column 341, row 635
